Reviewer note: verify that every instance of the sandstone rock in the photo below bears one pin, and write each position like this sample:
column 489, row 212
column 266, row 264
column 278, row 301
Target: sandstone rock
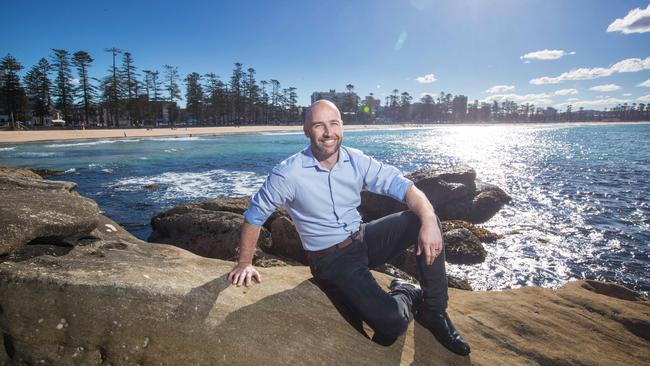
column 285, row 241
column 213, row 234
column 18, row 172
column 463, row 247
column 35, row 209
column 158, row 304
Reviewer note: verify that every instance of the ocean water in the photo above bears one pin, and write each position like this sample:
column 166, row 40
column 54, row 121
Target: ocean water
column 580, row 207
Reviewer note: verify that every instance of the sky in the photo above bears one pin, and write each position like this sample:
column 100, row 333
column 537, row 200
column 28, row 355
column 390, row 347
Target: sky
column 587, row 53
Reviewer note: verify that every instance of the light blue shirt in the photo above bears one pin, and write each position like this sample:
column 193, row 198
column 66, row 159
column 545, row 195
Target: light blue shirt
column 323, row 203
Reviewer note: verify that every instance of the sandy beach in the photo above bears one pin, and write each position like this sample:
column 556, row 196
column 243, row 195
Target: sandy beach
column 50, row 135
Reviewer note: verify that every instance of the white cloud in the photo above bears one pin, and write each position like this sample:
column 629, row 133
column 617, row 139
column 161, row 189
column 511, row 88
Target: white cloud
column 540, row 98
column 378, row 86
column 546, row 55
column 605, row 88
column 74, row 81
column 500, row 89
column 645, row 98
column 572, row 99
column 631, row 65
column 566, row 92
column 627, row 94
column 636, row 21
column 645, row 83
column 426, row 79
column 627, row 65
column 597, row 103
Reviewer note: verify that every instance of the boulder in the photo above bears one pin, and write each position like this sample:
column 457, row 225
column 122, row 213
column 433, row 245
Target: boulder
column 33, row 209
column 285, row 240
column 489, row 199
column 208, row 233
column 455, row 194
column 463, row 247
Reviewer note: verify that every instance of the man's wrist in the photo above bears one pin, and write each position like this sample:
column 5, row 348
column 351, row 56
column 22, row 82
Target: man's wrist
column 242, row 262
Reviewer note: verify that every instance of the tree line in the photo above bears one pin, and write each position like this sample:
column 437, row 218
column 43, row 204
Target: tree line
column 448, row 108
column 61, row 84
column 126, row 96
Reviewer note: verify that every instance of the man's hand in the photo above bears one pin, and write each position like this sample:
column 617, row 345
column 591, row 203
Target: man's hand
column 244, row 274
column 430, row 241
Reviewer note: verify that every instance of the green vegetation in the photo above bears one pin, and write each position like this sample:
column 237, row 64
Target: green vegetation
column 127, row 98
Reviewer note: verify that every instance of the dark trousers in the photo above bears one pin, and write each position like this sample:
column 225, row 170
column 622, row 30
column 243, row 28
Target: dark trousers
column 347, row 273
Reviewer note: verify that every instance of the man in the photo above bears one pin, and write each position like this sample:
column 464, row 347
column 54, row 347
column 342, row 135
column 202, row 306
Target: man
column 320, row 187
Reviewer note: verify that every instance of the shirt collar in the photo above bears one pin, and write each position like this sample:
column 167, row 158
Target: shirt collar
column 308, row 159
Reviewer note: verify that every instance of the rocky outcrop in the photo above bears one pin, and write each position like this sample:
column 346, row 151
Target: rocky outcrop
column 32, row 208
column 456, row 194
column 121, row 302
column 104, row 297
column 213, row 234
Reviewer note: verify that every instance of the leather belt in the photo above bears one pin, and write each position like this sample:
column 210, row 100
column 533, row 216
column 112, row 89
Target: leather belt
column 319, row 253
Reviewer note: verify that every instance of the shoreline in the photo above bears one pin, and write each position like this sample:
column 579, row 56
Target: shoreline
column 23, row 137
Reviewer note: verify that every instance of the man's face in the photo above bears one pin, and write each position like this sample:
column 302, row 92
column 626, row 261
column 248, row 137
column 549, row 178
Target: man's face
column 325, row 131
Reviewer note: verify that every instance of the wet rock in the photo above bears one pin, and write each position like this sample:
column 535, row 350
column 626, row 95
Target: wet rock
column 45, row 172
column 484, row 235
column 463, row 247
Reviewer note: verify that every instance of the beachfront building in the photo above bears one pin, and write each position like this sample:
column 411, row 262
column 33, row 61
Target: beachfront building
column 348, row 102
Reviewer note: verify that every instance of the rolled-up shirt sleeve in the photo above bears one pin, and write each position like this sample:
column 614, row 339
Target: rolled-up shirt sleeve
column 275, row 192
column 386, row 179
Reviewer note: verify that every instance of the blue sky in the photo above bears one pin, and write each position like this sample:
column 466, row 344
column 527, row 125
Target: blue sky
column 420, row 46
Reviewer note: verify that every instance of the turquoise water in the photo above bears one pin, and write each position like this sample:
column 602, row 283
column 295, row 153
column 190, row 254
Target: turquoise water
column 580, row 192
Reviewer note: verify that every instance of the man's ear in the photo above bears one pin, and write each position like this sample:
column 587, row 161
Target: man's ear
column 306, row 131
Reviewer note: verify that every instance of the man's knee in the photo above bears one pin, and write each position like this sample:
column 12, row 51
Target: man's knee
column 392, row 325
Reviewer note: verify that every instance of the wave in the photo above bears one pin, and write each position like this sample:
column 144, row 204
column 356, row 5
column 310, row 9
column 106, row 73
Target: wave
column 71, row 170
column 91, row 143
column 191, row 186
column 184, row 138
column 31, row 154
column 281, row 133
column 7, row 148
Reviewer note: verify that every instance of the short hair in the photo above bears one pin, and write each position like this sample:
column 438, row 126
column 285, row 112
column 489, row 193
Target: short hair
column 311, row 107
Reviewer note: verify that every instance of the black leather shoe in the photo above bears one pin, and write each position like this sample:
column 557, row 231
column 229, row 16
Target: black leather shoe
column 413, row 292
column 442, row 328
